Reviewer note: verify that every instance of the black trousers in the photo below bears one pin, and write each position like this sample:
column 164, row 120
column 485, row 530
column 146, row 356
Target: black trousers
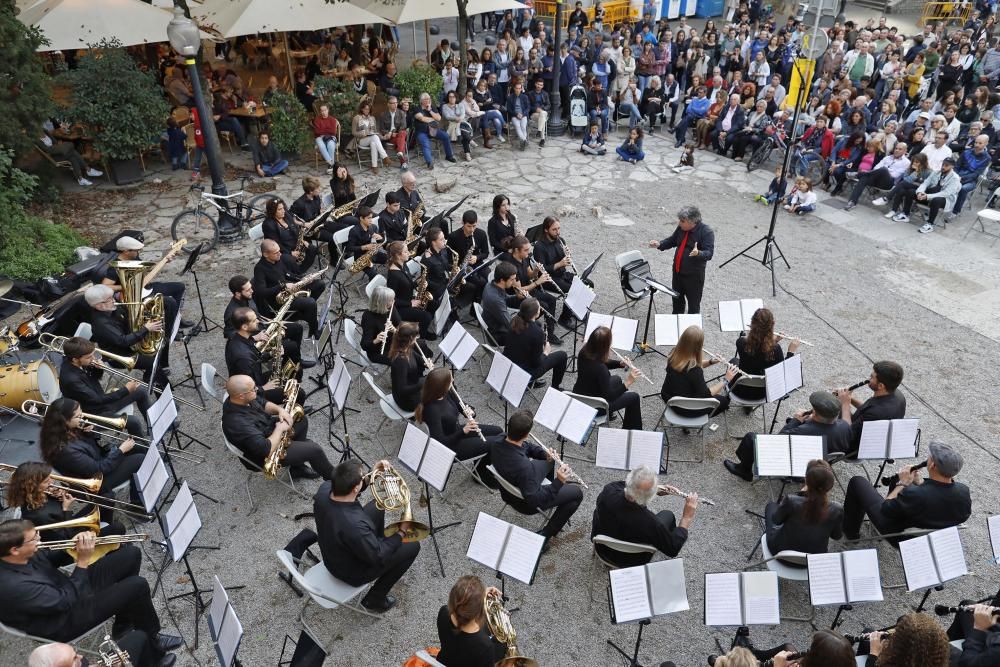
column 878, row 178
column 689, row 287
column 142, row 402
column 123, row 472
column 140, row 651
column 549, row 303
column 305, row 308
column 472, row 445
column 418, row 316
column 555, row 362
column 860, row 499
column 631, row 402
column 300, row 452
column 745, row 452
column 119, row 592
column 901, row 197
column 665, row 518
column 394, row 567
column 565, row 502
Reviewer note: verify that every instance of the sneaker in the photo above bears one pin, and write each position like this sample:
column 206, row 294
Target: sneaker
column 94, row 173
column 502, row 139
column 890, row 215
column 881, row 201
column 473, row 144
column 329, row 170
column 927, row 228
column 542, row 143
column 400, row 156
column 430, row 167
column 849, row 206
column 948, row 217
column 468, row 157
column 901, row 217
column 84, row 181
column 524, row 144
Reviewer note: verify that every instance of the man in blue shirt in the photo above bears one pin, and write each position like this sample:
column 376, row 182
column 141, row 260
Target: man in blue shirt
column 696, row 109
column 970, row 167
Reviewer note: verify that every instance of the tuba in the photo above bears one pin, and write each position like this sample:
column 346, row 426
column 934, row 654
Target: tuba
column 140, row 311
column 390, row 492
column 498, row 619
column 272, row 464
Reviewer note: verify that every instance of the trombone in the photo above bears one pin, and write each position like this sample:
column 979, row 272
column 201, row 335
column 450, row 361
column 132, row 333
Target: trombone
column 55, row 344
column 89, row 496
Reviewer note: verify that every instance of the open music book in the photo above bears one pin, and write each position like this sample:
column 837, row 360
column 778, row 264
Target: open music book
column 424, row 456
column 579, row 298
column 742, row 598
column 162, row 414
column 889, row 439
column 624, row 449
column 785, row 455
column 645, row 591
column 565, row 416
column 338, row 383
column 783, row 378
column 181, row 523
column 993, row 527
column 670, row 327
column 735, row 315
column 622, row 329
column 508, row 379
column 844, row 577
column 442, row 313
column 458, row 346
column 506, row 548
column 217, row 610
column 933, row 559
column 150, row 478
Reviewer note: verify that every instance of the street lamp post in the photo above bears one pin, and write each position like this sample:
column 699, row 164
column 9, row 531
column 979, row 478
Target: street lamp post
column 556, row 126
column 185, row 37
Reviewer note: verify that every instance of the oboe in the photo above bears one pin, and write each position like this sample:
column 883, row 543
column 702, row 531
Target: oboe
column 674, row 491
column 466, row 410
column 893, row 479
column 571, row 477
column 541, row 272
column 387, row 328
column 631, row 366
column 854, row 639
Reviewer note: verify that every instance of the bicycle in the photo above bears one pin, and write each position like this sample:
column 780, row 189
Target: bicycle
column 235, row 217
column 774, row 139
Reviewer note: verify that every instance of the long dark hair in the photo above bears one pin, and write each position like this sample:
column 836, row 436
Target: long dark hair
column 525, row 315
column 25, row 486
column 819, row 482
column 497, row 201
column 465, row 601
column 436, row 386
column 598, row 346
column 56, row 433
column 828, row 649
column 760, row 338
column 341, row 187
column 402, row 340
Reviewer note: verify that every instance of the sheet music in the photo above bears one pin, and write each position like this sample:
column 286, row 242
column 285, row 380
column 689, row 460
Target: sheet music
column 722, row 599
column 774, row 382
column 948, row 553
column 551, row 409
column 667, row 586
column 152, row 476
column 436, row 466
column 665, row 330
column 646, row 450
column 517, row 383
column 918, row 564
column 576, row 422
column 629, row 594
column 176, row 511
column 488, row 539
column 216, row 613
column 684, row 322
column 174, row 330
column 160, row 404
column 497, row 375
column 459, row 346
column 760, row 598
column 730, row 317
column 623, row 333
column 579, row 298
column 442, row 313
column 903, row 444
column 339, row 383
column 874, row 435
column 864, row 583
column 612, row 448
column 993, row 527
column 412, row 447
column 190, row 523
column 748, row 307
column 826, row 579
column 805, row 448
column 232, row 633
column 595, row 320
column 773, row 458
column 520, row 555
column 793, row 373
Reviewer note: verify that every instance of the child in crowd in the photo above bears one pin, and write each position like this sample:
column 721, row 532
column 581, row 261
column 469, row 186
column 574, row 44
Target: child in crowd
column 631, row 149
column 803, row 199
column 593, row 141
column 774, row 191
column 175, row 138
column 687, row 157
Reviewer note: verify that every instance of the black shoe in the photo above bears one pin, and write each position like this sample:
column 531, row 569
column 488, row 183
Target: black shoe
column 379, row 606
column 555, row 340
column 567, row 320
column 848, row 536
column 711, row 660
column 541, row 143
column 451, row 159
column 539, row 383
column 167, row 661
column 303, row 472
column 679, row 144
column 186, row 323
column 431, row 337
column 738, row 470
column 166, row 643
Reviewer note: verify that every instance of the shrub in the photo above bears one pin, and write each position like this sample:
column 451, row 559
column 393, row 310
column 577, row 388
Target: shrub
column 290, row 129
column 339, row 94
column 420, row 78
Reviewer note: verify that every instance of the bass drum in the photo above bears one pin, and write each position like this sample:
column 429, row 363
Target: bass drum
column 36, row 381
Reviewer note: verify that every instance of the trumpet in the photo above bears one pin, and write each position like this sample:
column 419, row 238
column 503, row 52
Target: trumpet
column 571, row 477
column 669, row 490
column 630, row 365
column 389, row 327
column 782, row 334
column 391, row 492
column 111, row 655
column 498, row 619
column 466, row 410
column 86, row 492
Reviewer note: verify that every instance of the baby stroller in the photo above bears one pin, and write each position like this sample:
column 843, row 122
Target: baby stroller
column 577, row 109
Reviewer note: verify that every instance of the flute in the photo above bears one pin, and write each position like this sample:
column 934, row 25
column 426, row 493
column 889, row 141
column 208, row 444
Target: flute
column 674, row 491
column 387, row 328
column 719, row 357
column 466, row 410
column 781, row 334
column 571, row 477
column 428, row 364
column 631, row 366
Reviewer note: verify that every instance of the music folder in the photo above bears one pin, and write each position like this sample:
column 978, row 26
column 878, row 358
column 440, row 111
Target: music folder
column 623, row 449
column 993, row 527
column 565, row 416
column 735, row 315
column 741, row 598
column 162, row 414
column 425, row 457
column 442, row 313
column 622, row 329
column 181, row 523
column 508, row 379
column 889, row 439
column 783, row 378
column 338, row 383
column 670, row 327
column 645, row 591
column 579, row 298
column 844, row 577
column 150, row 478
column 785, row 455
column 506, row 548
column 932, row 559
column 458, row 346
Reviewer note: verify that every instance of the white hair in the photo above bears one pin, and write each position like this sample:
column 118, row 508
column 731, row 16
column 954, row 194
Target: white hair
column 51, row 655
column 640, row 485
column 95, row 294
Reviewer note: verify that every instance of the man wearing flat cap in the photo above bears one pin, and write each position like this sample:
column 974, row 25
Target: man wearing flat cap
column 129, row 250
column 822, row 420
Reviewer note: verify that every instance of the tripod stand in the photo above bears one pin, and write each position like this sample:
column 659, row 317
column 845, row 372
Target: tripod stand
column 205, row 323
column 654, row 287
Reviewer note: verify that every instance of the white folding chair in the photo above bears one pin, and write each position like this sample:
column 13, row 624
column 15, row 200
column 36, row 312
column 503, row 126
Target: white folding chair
column 672, row 419
column 478, row 308
column 778, row 563
column 208, row 375
column 351, row 334
column 253, row 468
column 987, row 215
column 83, row 330
column 747, row 381
column 632, row 297
column 377, row 281
column 340, row 239
column 516, row 493
column 614, row 544
column 390, row 411
column 256, row 232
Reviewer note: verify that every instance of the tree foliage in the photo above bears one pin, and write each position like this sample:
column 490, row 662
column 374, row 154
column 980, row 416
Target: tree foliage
column 290, row 130
column 25, row 97
column 421, row 78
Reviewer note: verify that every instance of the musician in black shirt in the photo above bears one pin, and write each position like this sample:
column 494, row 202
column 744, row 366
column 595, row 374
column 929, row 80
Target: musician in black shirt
column 404, row 286
column 364, row 239
column 462, row 628
column 307, row 210
column 757, row 350
column 352, row 539
column 409, row 198
column 936, row 502
column 496, row 300
column 286, row 233
column 806, row 521
column 393, row 221
column 503, row 224
column 686, row 376
column 376, row 338
column 242, row 297
column 622, row 513
column 472, row 247
column 437, row 260
column 550, row 252
column 271, row 276
column 885, row 403
column 530, row 280
column 594, row 378
column 243, row 357
column 130, row 250
column 110, row 330
column 406, row 367
column 528, row 348
column 695, row 244
column 255, row 426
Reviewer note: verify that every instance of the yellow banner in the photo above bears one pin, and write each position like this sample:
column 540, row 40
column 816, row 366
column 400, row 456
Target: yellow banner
column 803, row 66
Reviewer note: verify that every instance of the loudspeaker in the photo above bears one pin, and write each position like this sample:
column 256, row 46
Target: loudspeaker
column 124, row 172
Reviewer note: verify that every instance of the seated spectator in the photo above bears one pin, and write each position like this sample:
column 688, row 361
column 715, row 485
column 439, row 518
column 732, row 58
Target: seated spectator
column 939, row 191
column 272, row 88
column 705, row 125
column 392, row 130
column 593, row 141
column 728, row 123
column 458, row 125
column 179, row 90
column 906, row 188
column 866, row 162
column 267, row 160
column 475, row 116
column 972, row 164
column 816, row 145
column 427, row 127
column 387, row 81
column 519, row 110
column 65, row 150
column 223, row 103
column 776, row 190
column 845, row 158
column 364, row 129
column 631, row 149
column 304, row 90
column 803, row 199
column 883, row 176
column 326, row 129
column 493, row 121
column 697, row 108
column 654, row 99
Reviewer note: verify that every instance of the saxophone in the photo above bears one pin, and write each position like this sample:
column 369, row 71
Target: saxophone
column 456, row 268
column 416, row 217
column 140, row 311
column 272, row 464
column 423, row 294
column 365, row 260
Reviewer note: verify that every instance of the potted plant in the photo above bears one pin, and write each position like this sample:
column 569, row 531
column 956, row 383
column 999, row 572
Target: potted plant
column 121, row 106
column 290, row 130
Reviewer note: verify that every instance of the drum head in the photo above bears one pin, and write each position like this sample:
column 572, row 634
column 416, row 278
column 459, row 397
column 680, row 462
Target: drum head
column 48, row 381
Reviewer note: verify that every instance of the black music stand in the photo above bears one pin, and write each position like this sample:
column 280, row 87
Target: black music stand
column 205, row 323
column 192, row 380
column 341, row 312
column 654, row 286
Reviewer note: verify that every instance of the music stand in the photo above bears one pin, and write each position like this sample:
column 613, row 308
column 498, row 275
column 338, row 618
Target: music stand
column 655, row 286
column 339, row 384
column 224, row 626
column 442, row 314
column 587, row 270
column 458, row 346
column 508, row 380
column 578, row 300
column 205, row 323
column 342, row 296
column 192, row 380
column 493, row 539
column 162, row 418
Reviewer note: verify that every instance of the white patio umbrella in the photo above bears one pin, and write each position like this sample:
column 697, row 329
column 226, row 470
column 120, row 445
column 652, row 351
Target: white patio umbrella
column 408, row 11
column 73, row 24
column 233, row 18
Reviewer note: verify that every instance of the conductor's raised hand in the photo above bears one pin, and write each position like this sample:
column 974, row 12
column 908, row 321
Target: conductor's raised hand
column 694, row 251
column 654, row 244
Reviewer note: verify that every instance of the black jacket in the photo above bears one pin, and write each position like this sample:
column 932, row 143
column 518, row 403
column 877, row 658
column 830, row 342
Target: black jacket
column 792, row 531
column 929, row 504
column 495, row 302
column 703, row 235
column 547, row 253
column 403, row 285
column 618, row 517
column 306, row 209
column 111, row 332
column 82, row 457
column 514, row 465
column 527, row 349
column 38, row 598
column 286, row 237
column 407, row 378
column 242, row 358
column 498, row 230
column 228, row 330
column 372, row 324
column 269, row 279
column 594, row 378
column 247, row 427
column 836, row 435
column 441, row 419
column 393, row 227
column 876, row 408
column 356, row 238
column 476, row 244
column 83, row 385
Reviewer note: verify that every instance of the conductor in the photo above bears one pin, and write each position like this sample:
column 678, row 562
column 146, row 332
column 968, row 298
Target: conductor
column 695, row 244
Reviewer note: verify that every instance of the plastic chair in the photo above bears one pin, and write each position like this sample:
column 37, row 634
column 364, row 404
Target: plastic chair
column 671, row 419
column 377, row 281
column 83, row 330
column 598, row 404
column 631, row 296
column 749, row 381
column 478, row 308
column 516, row 493
column 256, row 232
column 351, row 279
column 390, row 411
column 75, row 642
column 208, row 375
column 252, row 468
column 428, row 658
column 351, row 334
column 785, row 571
column 614, row 544
column 986, row 214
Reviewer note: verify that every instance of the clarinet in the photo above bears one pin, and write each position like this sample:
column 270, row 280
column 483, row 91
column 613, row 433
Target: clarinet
column 466, row 410
column 944, row 610
column 541, row 271
column 836, row 393
column 854, row 639
column 788, row 658
column 892, row 480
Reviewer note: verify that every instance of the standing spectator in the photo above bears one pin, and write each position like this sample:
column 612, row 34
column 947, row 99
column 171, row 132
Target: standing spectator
column 568, row 75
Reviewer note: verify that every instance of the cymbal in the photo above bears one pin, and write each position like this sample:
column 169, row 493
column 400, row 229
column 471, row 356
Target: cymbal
column 6, row 286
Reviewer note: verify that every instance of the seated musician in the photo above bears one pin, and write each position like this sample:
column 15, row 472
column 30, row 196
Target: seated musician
column 69, row 446
column 470, row 243
column 885, row 403
column 622, row 513
column 110, row 330
column 135, row 643
column 936, row 502
column 308, row 208
column 376, row 338
column 821, row 420
column 439, row 410
column 399, row 279
column 409, row 198
column 525, row 464
column 528, row 348
column 917, row 640
column 129, row 250
column 255, row 426
column 44, row 602
column 406, row 367
column 243, row 357
column 530, row 279
column 393, row 220
column 241, row 290
column 278, row 228
column 271, row 276
column 352, row 539
column 757, row 350
column 437, row 259
column 80, row 380
column 462, row 629
column 365, row 241
column 342, row 187
column 686, row 375
column 550, row 252
column 503, row 223
column 980, row 628
column 497, row 300
column 805, row 521
column 826, row 649
column 594, row 378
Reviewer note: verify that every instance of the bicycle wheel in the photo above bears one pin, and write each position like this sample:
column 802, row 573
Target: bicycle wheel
column 197, row 227
column 255, row 208
column 760, row 155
